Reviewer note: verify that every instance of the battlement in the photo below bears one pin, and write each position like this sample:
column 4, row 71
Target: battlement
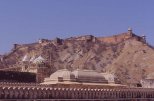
column 122, row 37
column 111, row 39
column 87, row 38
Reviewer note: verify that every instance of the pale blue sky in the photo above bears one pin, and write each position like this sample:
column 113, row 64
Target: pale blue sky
column 25, row 21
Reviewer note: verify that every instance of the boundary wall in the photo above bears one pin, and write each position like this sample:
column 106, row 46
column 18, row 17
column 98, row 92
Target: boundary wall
column 37, row 91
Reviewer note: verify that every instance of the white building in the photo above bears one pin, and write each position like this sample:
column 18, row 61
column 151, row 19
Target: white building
column 79, row 76
column 148, row 82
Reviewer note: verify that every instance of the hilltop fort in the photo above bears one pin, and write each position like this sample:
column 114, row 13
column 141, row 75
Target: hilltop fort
column 125, row 55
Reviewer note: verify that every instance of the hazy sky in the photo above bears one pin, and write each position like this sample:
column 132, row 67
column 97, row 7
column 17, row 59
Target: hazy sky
column 25, row 21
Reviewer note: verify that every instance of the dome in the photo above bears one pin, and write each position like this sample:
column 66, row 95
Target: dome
column 150, row 76
column 88, row 76
column 63, row 74
column 40, row 59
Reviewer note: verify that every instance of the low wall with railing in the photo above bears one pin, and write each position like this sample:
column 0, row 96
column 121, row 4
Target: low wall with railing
column 37, row 91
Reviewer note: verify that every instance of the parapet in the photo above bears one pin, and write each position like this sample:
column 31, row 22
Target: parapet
column 122, row 37
column 86, row 38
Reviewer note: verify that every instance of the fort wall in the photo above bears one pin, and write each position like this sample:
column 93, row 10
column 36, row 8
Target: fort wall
column 50, row 92
column 119, row 38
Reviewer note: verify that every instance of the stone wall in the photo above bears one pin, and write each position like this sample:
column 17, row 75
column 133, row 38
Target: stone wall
column 13, row 76
column 119, row 38
column 31, row 91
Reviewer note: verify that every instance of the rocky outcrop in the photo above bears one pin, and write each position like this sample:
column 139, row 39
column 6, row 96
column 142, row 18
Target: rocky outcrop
column 125, row 55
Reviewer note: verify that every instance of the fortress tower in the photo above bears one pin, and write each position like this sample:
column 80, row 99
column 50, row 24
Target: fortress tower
column 144, row 38
column 130, row 31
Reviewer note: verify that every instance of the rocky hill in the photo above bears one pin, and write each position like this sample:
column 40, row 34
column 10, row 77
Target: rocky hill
column 125, row 55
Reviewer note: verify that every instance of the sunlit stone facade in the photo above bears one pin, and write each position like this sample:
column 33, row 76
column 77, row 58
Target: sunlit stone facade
column 79, row 76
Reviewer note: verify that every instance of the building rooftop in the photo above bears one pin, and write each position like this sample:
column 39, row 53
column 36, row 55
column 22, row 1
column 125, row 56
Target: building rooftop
column 63, row 74
column 88, row 76
column 79, row 76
